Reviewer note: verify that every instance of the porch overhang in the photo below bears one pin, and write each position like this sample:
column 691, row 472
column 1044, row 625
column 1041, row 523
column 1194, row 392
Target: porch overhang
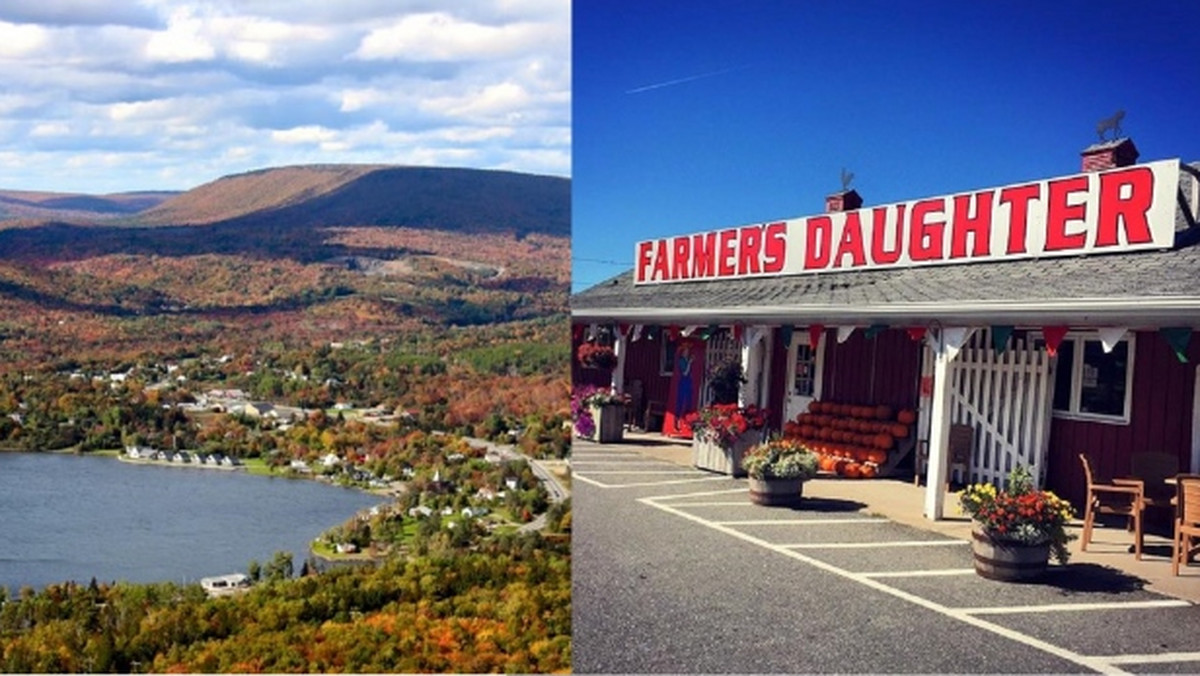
column 1130, row 311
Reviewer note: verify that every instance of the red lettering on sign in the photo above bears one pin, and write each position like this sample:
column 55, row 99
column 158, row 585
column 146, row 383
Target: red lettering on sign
column 680, row 268
column 851, row 243
column 748, row 257
column 643, row 260
column 817, row 243
column 925, row 242
column 662, row 262
column 774, row 247
column 1132, row 210
column 979, row 226
column 880, row 255
column 1059, row 213
column 704, row 251
column 1018, row 197
column 726, row 255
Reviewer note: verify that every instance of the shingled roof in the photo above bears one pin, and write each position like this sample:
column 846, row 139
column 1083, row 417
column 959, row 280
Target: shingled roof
column 1145, row 288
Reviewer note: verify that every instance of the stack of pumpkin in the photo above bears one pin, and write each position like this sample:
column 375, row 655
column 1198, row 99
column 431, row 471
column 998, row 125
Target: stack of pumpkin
column 851, row 441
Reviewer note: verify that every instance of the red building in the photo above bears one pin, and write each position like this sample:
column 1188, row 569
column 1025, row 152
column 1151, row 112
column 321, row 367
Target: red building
column 1028, row 323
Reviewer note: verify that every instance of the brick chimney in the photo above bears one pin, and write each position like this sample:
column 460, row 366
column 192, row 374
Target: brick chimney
column 1109, row 155
column 846, row 200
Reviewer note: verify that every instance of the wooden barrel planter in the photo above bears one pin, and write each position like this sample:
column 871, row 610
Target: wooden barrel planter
column 1008, row 561
column 776, row 492
column 610, row 423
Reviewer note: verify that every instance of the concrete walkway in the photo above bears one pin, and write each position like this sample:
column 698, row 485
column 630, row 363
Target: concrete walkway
column 903, row 502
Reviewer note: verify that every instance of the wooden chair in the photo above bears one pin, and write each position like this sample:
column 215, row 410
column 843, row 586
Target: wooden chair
column 637, row 400
column 656, row 411
column 1153, row 469
column 1187, row 518
column 1120, row 496
column 960, row 448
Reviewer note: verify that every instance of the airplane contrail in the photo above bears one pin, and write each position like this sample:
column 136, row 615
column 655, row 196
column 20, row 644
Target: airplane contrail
column 690, row 78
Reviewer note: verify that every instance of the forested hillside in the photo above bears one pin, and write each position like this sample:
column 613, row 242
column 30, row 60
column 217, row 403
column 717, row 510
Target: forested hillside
column 424, row 302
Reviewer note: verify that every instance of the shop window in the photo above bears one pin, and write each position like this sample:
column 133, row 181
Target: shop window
column 1092, row 384
column 666, row 364
column 804, row 377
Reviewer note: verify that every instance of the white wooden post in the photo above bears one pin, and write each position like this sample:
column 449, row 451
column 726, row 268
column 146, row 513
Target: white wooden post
column 746, row 392
column 946, row 346
column 618, row 374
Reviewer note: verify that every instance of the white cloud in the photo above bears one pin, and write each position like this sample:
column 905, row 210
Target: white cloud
column 18, row 40
column 182, row 41
column 305, row 134
column 441, row 37
column 169, row 94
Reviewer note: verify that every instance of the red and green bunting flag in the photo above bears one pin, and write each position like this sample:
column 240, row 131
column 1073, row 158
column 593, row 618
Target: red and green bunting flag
column 1000, row 336
column 1178, row 338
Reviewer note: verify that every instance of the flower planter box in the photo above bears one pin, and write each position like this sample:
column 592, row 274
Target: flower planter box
column 776, row 492
column 710, row 455
column 1008, row 561
column 610, row 423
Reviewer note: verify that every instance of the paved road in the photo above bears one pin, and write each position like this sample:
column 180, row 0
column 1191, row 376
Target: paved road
column 557, row 492
column 675, row 571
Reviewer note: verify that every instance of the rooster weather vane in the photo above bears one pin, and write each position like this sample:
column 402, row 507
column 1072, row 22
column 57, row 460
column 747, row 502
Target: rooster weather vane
column 1110, row 123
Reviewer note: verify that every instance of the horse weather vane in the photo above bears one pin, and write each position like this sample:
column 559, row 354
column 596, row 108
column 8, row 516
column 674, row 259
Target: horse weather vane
column 1110, row 123
column 847, row 177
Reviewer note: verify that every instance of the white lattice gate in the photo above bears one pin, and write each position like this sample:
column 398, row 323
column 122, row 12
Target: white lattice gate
column 721, row 348
column 1005, row 399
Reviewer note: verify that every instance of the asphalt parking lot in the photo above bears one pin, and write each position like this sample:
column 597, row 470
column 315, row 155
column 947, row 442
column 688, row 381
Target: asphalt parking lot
column 676, row 571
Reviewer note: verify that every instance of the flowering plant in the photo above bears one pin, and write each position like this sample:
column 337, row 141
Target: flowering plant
column 724, row 423
column 780, row 459
column 1020, row 514
column 593, row 355
column 584, row 398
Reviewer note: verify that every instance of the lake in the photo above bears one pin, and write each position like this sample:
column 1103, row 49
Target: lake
column 69, row 517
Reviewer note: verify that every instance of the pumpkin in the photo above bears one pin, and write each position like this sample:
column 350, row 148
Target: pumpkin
column 839, row 466
column 868, row 471
column 899, row 431
column 884, row 441
column 907, row 416
column 876, row 456
column 883, row 412
column 828, row 463
column 852, row 470
column 814, row 406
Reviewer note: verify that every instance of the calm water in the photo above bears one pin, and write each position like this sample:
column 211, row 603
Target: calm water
column 66, row 517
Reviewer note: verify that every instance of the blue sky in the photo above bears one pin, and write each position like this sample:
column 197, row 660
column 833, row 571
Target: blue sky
column 167, row 94
column 698, row 115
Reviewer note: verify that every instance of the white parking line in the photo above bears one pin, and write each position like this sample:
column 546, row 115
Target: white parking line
column 921, row 573
column 640, row 471
column 796, row 522
column 1060, row 607
column 1097, row 664
column 642, row 484
column 874, row 545
column 622, row 461
column 1153, row 658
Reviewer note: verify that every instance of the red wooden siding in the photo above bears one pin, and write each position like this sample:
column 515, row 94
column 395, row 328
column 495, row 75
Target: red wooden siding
column 1160, row 420
column 885, row 369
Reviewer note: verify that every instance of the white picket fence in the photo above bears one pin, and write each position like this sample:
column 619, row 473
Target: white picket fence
column 1006, row 400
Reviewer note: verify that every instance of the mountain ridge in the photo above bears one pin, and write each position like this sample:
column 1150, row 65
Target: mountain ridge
column 321, row 195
